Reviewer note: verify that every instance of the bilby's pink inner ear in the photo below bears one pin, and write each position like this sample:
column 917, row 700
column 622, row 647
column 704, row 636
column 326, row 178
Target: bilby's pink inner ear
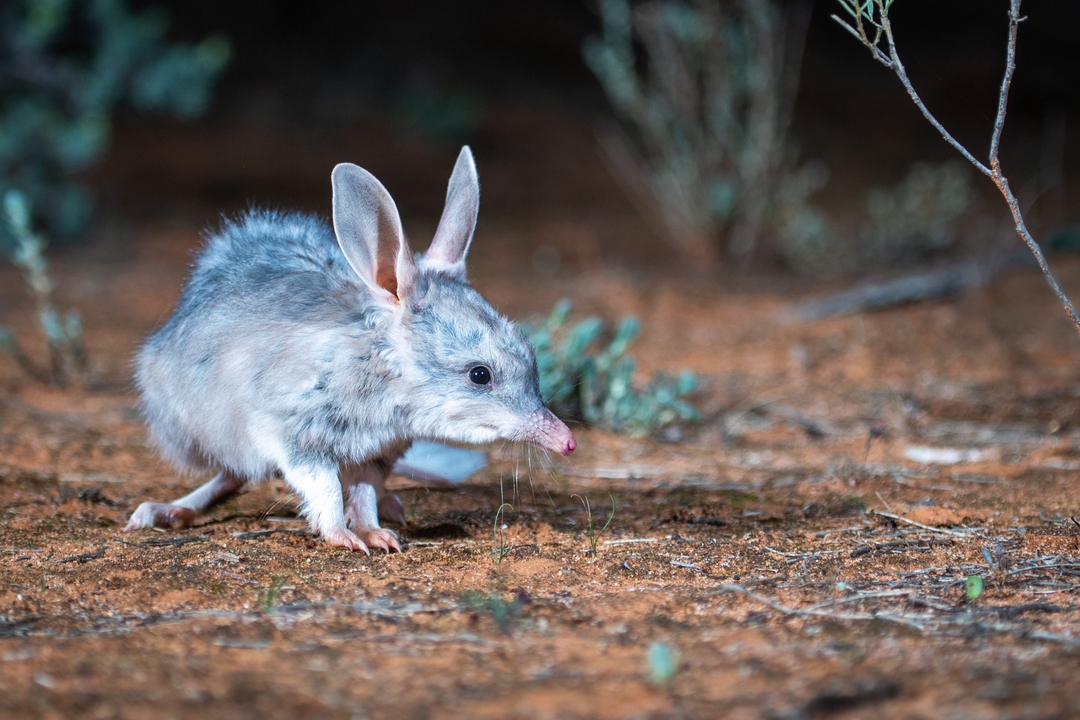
column 458, row 223
column 368, row 229
column 386, row 278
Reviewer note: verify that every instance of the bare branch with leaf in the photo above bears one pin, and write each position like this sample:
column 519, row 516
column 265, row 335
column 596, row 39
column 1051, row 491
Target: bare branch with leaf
column 868, row 21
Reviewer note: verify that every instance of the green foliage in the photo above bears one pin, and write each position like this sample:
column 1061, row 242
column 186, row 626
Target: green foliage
column 922, row 212
column 869, row 11
column 597, row 386
column 919, row 216
column 707, row 89
column 443, row 113
column 804, row 235
column 63, row 335
column 65, row 67
column 594, row 534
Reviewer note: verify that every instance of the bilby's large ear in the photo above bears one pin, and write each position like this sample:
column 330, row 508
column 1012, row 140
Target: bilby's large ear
column 368, row 229
column 451, row 243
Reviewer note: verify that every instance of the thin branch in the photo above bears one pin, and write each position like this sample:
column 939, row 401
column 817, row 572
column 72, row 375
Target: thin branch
column 993, row 171
column 999, row 177
column 871, row 45
column 1006, row 83
column 898, row 68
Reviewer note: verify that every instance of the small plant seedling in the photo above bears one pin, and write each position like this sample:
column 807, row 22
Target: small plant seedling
column 974, row 586
column 663, row 662
column 500, row 548
column 594, row 536
column 272, row 592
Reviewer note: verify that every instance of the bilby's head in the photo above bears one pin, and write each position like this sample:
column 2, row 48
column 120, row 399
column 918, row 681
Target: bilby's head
column 469, row 375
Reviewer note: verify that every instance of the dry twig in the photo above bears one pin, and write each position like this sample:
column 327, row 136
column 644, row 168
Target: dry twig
column 871, row 24
column 929, row 528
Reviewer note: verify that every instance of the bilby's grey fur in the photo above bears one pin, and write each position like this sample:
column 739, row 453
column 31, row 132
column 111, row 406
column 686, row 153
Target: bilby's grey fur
column 323, row 353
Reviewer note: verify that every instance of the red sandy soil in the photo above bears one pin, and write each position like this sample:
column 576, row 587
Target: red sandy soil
column 757, row 545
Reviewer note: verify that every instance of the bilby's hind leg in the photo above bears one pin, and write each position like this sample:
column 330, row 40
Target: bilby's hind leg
column 361, row 487
column 389, row 504
column 182, row 513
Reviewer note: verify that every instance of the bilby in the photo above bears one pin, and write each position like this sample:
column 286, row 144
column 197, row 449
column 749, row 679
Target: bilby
column 323, row 353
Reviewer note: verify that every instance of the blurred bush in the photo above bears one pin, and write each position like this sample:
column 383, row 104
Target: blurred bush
column 578, row 381
column 921, row 215
column 65, row 67
column 918, row 218
column 706, row 88
column 63, row 335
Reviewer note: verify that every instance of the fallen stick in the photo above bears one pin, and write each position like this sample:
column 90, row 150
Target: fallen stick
column 947, row 281
column 930, row 528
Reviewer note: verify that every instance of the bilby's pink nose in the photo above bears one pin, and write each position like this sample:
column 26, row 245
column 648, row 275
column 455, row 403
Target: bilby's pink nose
column 544, row 429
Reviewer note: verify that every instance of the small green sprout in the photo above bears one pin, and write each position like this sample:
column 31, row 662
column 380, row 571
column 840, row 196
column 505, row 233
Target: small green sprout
column 501, row 548
column 272, row 592
column 974, row 586
column 594, row 536
column 663, row 663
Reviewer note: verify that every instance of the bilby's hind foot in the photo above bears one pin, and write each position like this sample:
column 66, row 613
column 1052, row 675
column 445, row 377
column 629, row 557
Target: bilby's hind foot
column 344, row 537
column 161, row 515
column 381, row 538
column 362, row 516
column 391, row 508
column 183, row 512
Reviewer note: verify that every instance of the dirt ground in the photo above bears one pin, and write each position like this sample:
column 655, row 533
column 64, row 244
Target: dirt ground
column 798, row 554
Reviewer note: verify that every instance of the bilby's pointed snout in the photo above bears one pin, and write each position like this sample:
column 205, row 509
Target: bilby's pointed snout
column 545, row 430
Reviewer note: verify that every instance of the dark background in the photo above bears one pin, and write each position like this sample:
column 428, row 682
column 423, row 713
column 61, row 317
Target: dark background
column 398, row 87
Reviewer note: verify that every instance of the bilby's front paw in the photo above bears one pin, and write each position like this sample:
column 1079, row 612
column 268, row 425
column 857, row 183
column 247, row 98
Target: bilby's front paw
column 161, row 515
column 392, row 509
column 346, row 538
column 381, row 538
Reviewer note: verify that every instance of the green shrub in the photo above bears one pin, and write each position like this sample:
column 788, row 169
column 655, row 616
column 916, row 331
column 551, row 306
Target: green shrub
column 706, row 89
column 580, row 381
column 922, row 213
column 917, row 218
column 65, row 67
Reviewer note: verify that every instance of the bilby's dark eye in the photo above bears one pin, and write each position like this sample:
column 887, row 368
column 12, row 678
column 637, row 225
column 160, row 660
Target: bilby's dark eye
column 480, row 375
